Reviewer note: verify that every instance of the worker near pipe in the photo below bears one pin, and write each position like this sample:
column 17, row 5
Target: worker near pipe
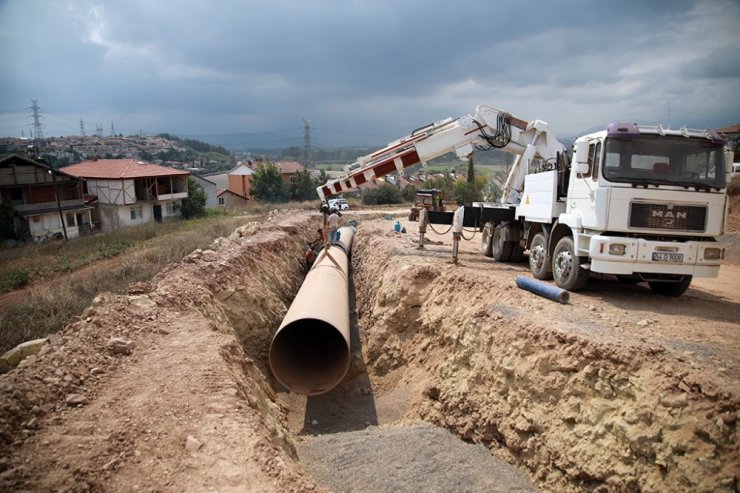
column 423, row 222
column 314, row 247
column 334, row 225
column 457, row 229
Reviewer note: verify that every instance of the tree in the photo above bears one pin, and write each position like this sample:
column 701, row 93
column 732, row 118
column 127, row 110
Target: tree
column 408, row 193
column 471, row 169
column 493, row 190
column 321, row 179
column 195, row 203
column 465, row 192
column 303, row 187
column 384, row 194
column 444, row 183
column 267, row 183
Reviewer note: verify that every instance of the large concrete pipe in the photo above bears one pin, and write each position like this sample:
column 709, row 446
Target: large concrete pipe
column 310, row 351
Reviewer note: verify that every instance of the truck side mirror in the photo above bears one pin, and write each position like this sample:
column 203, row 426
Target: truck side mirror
column 580, row 164
column 581, row 152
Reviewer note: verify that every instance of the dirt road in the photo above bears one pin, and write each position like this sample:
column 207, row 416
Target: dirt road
column 167, row 389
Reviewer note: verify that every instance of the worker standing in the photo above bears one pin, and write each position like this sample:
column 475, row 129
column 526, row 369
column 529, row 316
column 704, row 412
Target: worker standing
column 423, row 221
column 457, row 228
column 333, row 225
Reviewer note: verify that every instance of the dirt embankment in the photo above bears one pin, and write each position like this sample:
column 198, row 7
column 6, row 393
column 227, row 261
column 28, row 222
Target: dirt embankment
column 153, row 391
column 621, row 390
column 167, row 389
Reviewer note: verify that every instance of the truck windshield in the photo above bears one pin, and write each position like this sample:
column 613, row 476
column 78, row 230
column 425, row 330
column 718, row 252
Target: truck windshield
column 665, row 160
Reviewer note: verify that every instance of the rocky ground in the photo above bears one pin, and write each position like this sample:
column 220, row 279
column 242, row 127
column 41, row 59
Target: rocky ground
column 167, row 389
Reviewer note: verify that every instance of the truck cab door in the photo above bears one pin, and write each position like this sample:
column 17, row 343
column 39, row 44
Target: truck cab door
column 583, row 189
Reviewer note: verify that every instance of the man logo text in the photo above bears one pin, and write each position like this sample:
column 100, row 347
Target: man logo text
column 670, row 214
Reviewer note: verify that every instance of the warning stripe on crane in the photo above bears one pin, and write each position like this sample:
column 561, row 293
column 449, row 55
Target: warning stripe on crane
column 407, row 158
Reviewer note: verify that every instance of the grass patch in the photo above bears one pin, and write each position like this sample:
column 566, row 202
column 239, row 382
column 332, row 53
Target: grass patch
column 14, row 279
column 112, row 262
column 113, row 249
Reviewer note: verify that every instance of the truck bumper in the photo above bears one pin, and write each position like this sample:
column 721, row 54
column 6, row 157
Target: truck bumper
column 619, row 255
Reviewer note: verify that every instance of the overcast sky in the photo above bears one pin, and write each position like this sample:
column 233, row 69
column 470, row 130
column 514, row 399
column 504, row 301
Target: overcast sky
column 363, row 71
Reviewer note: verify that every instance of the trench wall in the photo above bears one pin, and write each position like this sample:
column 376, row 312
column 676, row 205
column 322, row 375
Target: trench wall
column 577, row 413
column 238, row 290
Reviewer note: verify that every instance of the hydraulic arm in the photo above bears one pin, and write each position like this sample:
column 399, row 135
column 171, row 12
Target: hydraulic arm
column 487, row 128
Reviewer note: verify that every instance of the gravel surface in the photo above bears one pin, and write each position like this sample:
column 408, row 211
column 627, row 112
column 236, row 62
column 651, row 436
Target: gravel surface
column 412, row 458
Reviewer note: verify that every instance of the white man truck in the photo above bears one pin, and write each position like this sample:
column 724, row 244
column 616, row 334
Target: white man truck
column 641, row 203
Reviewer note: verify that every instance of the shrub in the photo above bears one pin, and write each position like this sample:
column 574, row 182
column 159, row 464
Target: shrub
column 194, row 205
column 14, row 279
column 113, row 249
column 384, row 194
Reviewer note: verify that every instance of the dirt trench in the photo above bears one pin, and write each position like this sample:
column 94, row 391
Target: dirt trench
column 607, row 393
column 568, row 394
column 165, row 389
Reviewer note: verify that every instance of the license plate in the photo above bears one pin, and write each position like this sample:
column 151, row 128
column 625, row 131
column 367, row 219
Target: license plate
column 672, row 258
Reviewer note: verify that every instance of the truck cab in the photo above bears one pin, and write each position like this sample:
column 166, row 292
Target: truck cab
column 643, row 203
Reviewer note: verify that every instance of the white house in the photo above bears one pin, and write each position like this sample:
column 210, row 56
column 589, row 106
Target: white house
column 211, row 190
column 131, row 192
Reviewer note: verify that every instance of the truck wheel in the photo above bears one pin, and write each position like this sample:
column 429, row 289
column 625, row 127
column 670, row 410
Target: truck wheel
column 538, row 264
column 566, row 266
column 486, row 245
column 501, row 249
column 670, row 288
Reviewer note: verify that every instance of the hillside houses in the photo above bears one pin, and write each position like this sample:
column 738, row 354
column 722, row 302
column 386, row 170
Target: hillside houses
column 235, row 186
column 289, row 170
column 41, row 202
column 131, row 192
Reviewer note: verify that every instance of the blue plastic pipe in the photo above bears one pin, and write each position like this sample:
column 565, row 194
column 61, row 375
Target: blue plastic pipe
column 543, row 289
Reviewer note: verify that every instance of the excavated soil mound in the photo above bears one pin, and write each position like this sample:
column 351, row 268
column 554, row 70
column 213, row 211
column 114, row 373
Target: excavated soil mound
column 167, row 388
column 619, row 390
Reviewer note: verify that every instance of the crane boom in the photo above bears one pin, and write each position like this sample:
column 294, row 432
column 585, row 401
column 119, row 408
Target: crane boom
column 487, row 128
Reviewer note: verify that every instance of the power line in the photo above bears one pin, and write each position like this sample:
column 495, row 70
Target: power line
column 306, row 143
column 36, row 115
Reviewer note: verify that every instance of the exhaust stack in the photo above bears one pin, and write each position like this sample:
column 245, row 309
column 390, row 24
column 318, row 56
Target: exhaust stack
column 310, row 352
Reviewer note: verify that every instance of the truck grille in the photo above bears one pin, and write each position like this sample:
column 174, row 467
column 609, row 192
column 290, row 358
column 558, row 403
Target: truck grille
column 666, row 216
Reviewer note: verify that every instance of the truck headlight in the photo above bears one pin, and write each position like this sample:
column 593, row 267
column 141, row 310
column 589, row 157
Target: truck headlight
column 617, row 249
column 712, row 253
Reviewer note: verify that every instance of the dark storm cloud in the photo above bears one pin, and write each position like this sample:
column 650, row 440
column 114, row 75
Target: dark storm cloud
column 378, row 68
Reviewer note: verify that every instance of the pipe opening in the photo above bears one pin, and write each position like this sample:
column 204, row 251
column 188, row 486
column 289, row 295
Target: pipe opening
column 309, row 356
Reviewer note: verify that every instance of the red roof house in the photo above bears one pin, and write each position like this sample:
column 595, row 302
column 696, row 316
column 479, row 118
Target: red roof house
column 131, row 192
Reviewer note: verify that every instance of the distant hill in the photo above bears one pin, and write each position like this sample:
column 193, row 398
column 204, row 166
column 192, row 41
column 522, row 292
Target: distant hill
column 248, row 142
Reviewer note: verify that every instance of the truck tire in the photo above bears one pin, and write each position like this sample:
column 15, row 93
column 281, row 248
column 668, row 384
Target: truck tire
column 486, row 245
column 538, row 264
column 668, row 288
column 501, row 249
column 566, row 266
